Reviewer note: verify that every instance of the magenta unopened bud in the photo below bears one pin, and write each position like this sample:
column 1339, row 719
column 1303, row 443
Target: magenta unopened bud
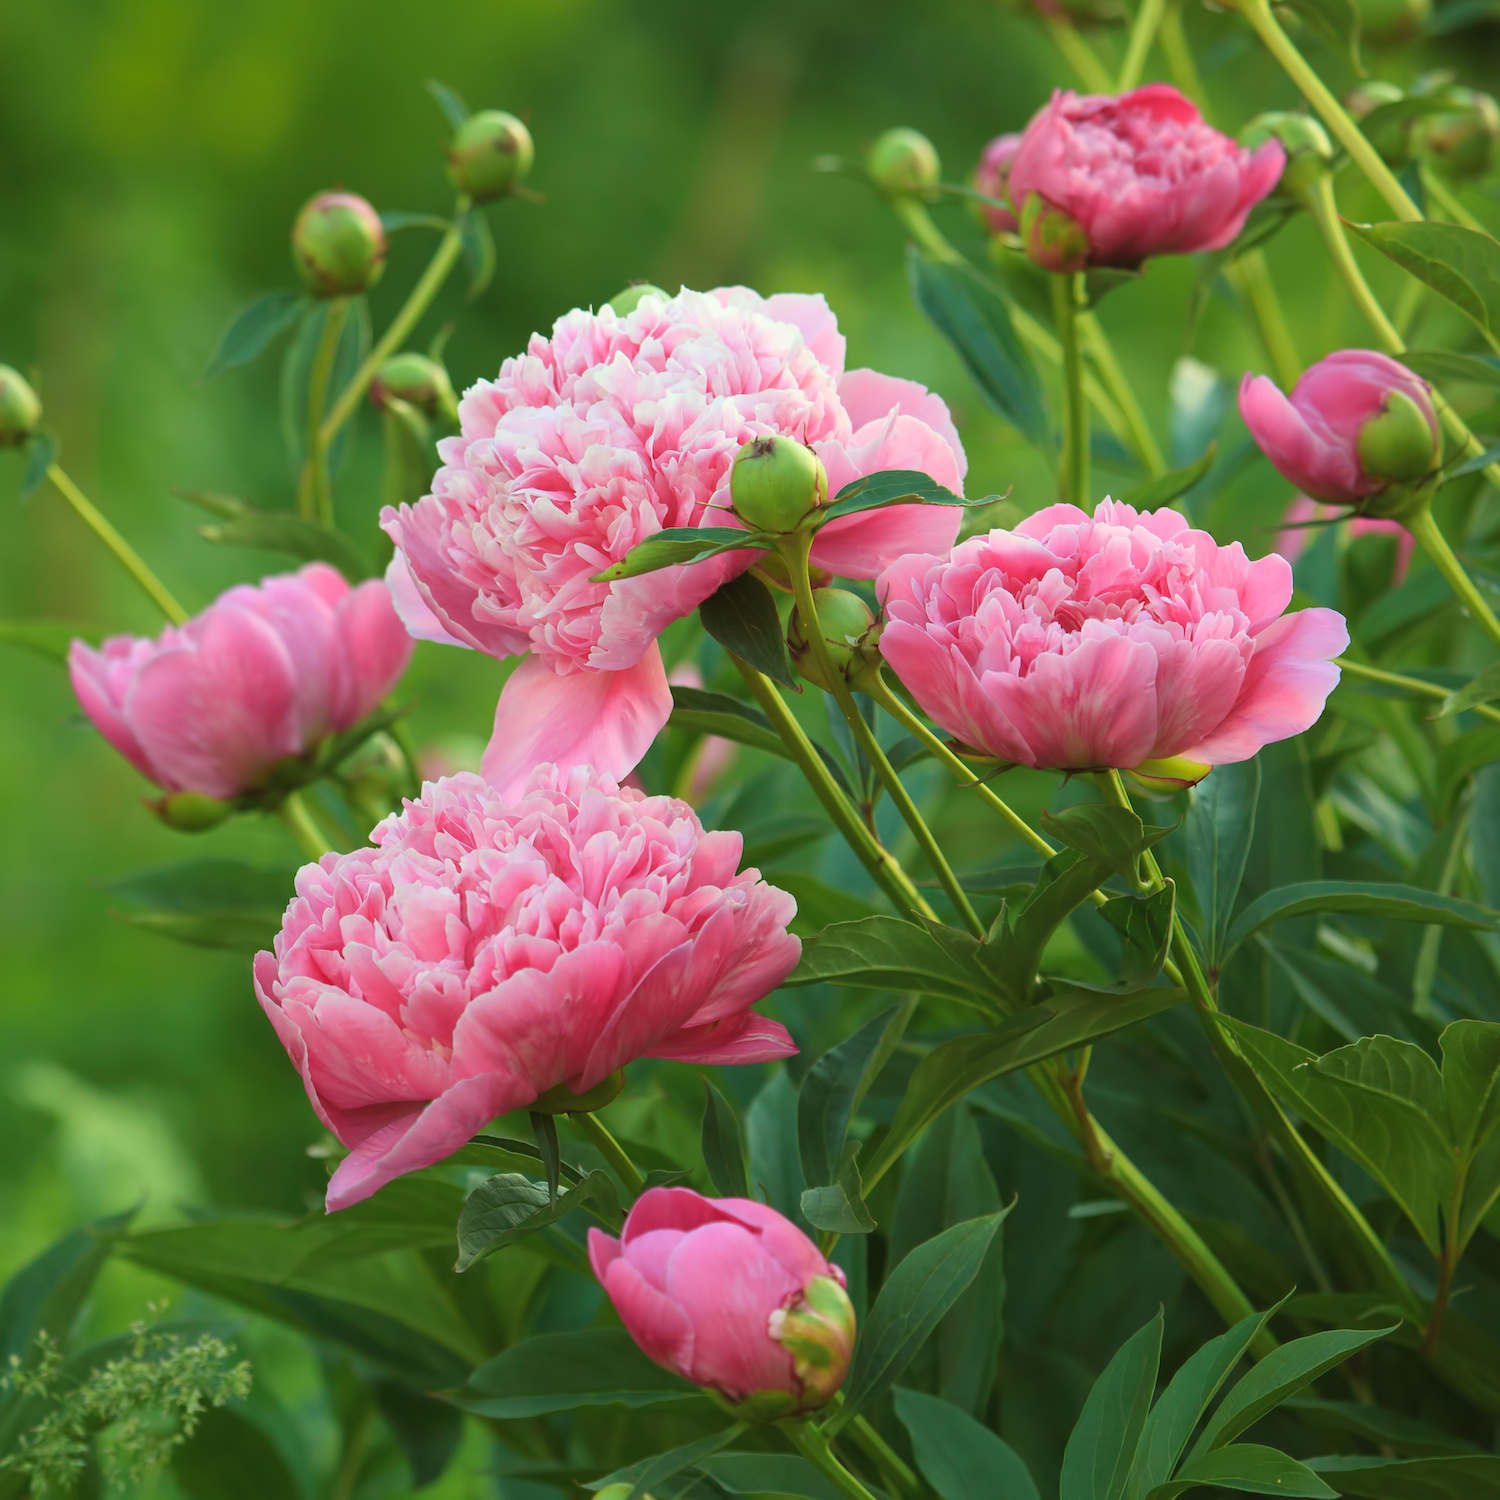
column 490, row 155
column 1357, row 424
column 903, row 161
column 991, row 177
column 338, row 243
column 20, row 408
column 776, row 482
column 1054, row 240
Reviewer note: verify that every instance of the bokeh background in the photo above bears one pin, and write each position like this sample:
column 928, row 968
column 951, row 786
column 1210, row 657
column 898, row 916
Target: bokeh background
column 152, row 156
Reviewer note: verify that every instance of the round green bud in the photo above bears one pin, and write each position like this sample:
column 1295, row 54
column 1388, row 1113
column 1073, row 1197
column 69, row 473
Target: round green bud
column 1309, row 152
column 191, row 812
column 903, row 161
column 1054, row 240
column 1399, row 445
column 1392, row 23
column 626, row 302
column 1368, row 96
column 490, row 155
column 338, row 243
column 1392, row 139
column 1175, row 774
column 416, row 379
column 775, row 482
column 1462, row 143
column 20, row 408
column 846, row 622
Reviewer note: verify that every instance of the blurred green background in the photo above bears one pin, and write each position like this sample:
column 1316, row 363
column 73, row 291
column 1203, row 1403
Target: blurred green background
column 152, row 156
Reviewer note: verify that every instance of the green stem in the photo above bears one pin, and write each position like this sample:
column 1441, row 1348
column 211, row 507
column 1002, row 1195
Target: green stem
column 1410, row 684
column 893, row 1468
column 612, row 1151
column 1425, row 529
column 1424, row 972
column 1079, row 56
column 1180, row 61
column 1101, row 351
column 128, row 557
column 315, row 492
column 795, row 553
column 809, row 1440
column 1438, row 191
column 411, row 310
column 303, row 827
column 1142, row 33
column 1335, row 116
column 1254, row 277
column 1075, row 424
column 887, row 873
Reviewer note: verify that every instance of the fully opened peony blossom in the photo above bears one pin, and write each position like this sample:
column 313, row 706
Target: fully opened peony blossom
column 605, row 433
column 263, row 673
column 1117, row 179
column 1080, row 642
column 1357, row 423
column 730, row 1295
column 489, row 949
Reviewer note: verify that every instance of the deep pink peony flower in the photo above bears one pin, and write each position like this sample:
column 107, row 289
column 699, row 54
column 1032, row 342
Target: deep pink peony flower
column 264, row 672
column 1140, row 173
column 992, row 178
column 730, row 1295
column 601, row 435
column 1078, row 643
column 1292, row 542
column 1357, row 422
column 487, row 950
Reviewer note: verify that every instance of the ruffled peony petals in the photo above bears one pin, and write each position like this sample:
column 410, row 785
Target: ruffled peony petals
column 747, row 1038
column 870, row 396
column 414, row 612
column 603, row 719
column 813, row 317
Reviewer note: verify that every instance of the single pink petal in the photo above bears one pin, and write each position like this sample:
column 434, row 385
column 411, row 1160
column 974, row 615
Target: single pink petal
column 603, row 719
column 90, row 673
column 1316, row 464
column 651, row 1318
column 747, row 1038
column 376, row 647
column 420, row 622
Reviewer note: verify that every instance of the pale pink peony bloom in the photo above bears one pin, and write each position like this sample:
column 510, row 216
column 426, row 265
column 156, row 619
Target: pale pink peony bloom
column 730, row 1295
column 1078, row 643
column 489, row 949
column 1292, row 542
column 605, row 433
column 265, row 672
column 1141, row 173
column 1313, row 437
column 992, row 178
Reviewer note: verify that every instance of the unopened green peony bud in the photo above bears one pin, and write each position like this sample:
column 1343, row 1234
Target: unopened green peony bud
column 1175, row 774
column 903, row 161
column 1309, row 152
column 20, row 408
column 1391, row 23
column 1054, row 240
column 1391, row 139
column 1399, row 445
column 490, row 155
column 1462, row 143
column 776, row 482
column 190, row 812
column 846, row 622
column 626, row 302
column 416, row 379
column 338, row 244
column 818, row 1332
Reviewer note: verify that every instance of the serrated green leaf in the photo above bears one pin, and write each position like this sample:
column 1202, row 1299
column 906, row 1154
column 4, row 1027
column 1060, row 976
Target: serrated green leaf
column 253, row 328
column 1101, row 1449
column 741, row 616
column 1460, row 264
column 959, row 1457
column 723, row 1145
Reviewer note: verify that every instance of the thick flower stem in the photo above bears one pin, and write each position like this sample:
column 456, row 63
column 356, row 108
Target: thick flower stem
column 1075, row 424
column 1142, row 33
column 1335, row 116
column 303, row 827
column 412, row 309
column 795, row 554
column 1410, row 684
column 612, row 1151
column 315, row 490
column 879, row 861
column 810, row 1442
column 1426, row 531
column 124, row 553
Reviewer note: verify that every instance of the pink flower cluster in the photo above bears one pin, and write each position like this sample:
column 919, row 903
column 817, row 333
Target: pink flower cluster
column 485, row 951
column 1081, row 642
column 263, row 673
column 605, row 433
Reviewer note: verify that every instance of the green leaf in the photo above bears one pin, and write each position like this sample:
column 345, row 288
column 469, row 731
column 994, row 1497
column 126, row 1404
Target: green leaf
column 427, row 1430
column 253, row 328
column 741, row 616
column 1337, row 22
column 959, row 1457
column 1101, row 1449
column 891, row 953
column 771, row 1133
column 1485, row 688
column 276, row 531
column 1066, row 882
column 509, row 1207
column 455, row 111
column 1441, row 366
column 819, row 904
column 910, row 1305
column 1180, row 1407
column 718, row 713
column 1460, row 264
column 679, row 546
column 1391, row 902
column 1250, row 1468
column 723, row 1145
column 1282, row 1373
column 839, row 1207
column 1145, row 927
column 48, row 638
column 410, row 455
column 1150, row 494
column 1471, row 1476
column 562, row 1371
column 1471, row 1087
column 479, row 249
column 768, row 1474
column 971, row 314
column 1409, row 1436
column 1100, row 281
column 1110, row 836
column 649, row 1472
column 41, row 454
column 210, row 903
column 1220, row 826
column 893, row 487
column 229, row 1457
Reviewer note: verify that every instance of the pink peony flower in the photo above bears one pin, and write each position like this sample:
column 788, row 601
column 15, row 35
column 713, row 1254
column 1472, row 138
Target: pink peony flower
column 992, row 178
column 264, row 672
column 730, row 1295
column 1293, row 541
column 1139, row 173
column 600, row 436
column 487, row 950
column 1357, row 422
column 1075, row 642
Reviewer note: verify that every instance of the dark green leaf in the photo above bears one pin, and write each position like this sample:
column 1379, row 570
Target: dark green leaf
column 1461, row 758
column 1441, row 366
column 48, row 638
column 1408, row 1436
column 410, row 455
column 1397, row 609
column 1456, row 15
column 253, row 329
column 648, row 1472
column 718, row 713
column 771, row 1132
column 1110, row 836
column 228, row 1457
column 1145, row 927
column 891, row 953
column 1101, row 1449
column 1471, row 1088
column 1149, row 494
column 971, row 314
column 1337, row 22
column 678, row 546
column 562, row 1371
column 41, row 454
column 723, row 1145
column 893, row 487
column 1220, row 826
column 544, row 1128
column 479, row 249
column 1100, row 281
column 277, row 531
column 910, row 1305
column 959, row 1457
column 1067, row 880
column 1485, row 688
column 1250, row 1468
column 1460, row 264
column 767, row 1474
column 455, row 111
column 428, row 1431
column 741, row 616
column 1390, row 902
column 210, row 903
column 819, row 904
column 839, row 1207
column 1471, row 1476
